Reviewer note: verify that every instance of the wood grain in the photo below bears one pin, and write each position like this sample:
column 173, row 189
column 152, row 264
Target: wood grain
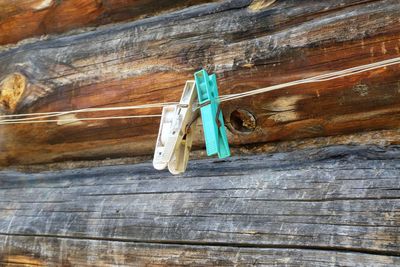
column 336, row 206
column 20, row 19
column 78, row 252
column 249, row 44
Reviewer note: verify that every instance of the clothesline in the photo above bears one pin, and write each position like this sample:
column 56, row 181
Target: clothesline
column 38, row 117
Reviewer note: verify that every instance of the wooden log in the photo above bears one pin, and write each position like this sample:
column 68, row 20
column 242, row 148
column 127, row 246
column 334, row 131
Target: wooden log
column 249, row 44
column 115, row 253
column 20, row 19
column 336, row 206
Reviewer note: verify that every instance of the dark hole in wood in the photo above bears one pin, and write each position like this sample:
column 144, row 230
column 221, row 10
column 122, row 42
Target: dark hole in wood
column 243, row 121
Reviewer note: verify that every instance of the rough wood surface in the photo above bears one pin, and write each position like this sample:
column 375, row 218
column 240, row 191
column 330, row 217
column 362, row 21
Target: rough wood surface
column 337, row 206
column 249, row 44
column 20, row 19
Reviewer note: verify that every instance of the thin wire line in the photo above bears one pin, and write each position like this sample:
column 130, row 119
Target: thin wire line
column 223, row 98
column 85, row 110
column 84, row 119
column 319, row 78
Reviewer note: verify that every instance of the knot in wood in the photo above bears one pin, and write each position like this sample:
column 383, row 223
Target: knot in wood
column 11, row 89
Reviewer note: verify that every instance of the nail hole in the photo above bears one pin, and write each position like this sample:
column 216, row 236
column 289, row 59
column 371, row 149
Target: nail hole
column 242, row 121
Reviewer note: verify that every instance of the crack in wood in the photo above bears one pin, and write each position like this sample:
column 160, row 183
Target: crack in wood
column 219, row 244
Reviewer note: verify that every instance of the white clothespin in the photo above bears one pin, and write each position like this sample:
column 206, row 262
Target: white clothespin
column 175, row 136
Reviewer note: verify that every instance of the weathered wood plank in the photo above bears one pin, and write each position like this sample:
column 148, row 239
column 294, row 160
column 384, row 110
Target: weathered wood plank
column 45, row 251
column 323, row 206
column 20, row 19
column 248, row 44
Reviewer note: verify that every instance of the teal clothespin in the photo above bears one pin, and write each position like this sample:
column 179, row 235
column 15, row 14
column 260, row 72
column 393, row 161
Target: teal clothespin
column 211, row 115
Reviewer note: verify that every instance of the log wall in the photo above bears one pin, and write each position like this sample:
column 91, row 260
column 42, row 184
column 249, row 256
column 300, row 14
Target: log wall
column 332, row 206
column 21, row 19
column 249, row 44
column 336, row 206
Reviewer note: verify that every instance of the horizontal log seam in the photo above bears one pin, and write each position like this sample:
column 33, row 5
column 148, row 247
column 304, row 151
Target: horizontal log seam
column 216, row 244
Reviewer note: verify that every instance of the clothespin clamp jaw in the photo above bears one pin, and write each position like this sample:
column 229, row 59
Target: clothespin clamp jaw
column 211, row 115
column 175, row 135
column 163, row 148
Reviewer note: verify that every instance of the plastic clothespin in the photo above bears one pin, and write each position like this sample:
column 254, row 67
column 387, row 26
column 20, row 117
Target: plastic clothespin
column 175, row 135
column 211, row 115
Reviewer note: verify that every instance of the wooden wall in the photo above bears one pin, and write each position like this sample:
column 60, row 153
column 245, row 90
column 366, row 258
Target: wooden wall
column 21, row 19
column 249, row 44
column 332, row 206
column 337, row 206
